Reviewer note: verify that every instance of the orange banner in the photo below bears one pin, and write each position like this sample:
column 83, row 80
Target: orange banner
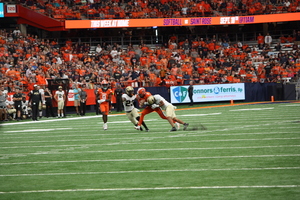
column 198, row 21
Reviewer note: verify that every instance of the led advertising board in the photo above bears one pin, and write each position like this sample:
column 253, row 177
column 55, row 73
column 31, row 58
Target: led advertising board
column 208, row 93
column 197, row 21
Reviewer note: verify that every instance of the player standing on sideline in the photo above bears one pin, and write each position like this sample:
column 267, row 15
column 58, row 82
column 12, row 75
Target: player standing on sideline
column 143, row 96
column 60, row 98
column 42, row 91
column 118, row 94
column 48, row 99
column 191, row 92
column 35, row 98
column 83, row 98
column 131, row 112
column 158, row 101
column 17, row 98
column 104, row 100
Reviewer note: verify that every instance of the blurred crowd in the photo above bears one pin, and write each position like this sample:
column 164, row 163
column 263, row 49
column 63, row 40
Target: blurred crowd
column 26, row 60
column 116, row 9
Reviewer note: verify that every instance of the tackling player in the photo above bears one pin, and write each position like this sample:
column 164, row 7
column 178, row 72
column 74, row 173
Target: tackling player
column 105, row 95
column 143, row 96
column 158, row 101
column 131, row 112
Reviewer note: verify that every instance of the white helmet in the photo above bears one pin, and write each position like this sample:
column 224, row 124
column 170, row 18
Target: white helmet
column 151, row 100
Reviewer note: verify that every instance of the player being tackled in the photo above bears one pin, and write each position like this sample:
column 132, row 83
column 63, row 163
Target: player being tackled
column 131, row 112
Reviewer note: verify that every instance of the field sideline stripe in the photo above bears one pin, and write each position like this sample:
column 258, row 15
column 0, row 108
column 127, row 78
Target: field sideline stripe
column 120, row 114
column 139, row 150
column 152, row 171
column 139, row 138
column 152, row 159
column 155, row 188
column 133, row 143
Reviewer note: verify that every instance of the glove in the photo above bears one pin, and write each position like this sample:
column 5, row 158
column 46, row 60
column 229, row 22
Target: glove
column 154, row 106
column 101, row 101
column 146, row 103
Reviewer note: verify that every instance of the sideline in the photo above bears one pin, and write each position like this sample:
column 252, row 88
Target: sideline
column 121, row 114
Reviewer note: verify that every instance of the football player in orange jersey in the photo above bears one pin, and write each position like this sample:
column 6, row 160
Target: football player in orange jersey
column 104, row 99
column 143, row 96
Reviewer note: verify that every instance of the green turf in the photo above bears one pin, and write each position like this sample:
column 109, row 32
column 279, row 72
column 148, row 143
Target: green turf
column 247, row 152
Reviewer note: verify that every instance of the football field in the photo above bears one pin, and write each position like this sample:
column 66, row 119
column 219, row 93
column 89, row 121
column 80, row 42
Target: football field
column 247, row 152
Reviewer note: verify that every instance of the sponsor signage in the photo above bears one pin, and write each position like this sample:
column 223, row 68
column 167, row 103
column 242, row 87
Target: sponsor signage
column 208, row 93
column 197, row 21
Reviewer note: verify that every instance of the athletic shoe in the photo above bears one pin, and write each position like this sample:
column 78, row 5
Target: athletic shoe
column 147, row 130
column 177, row 125
column 185, row 126
column 137, row 127
column 105, row 126
column 173, row 129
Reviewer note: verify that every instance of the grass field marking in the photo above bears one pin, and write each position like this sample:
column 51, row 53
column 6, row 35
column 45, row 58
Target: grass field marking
column 58, row 120
column 67, row 150
column 152, row 171
column 154, row 188
column 291, row 105
column 250, row 109
column 38, row 130
column 132, row 143
column 194, row 115
column 193, row 134
column 150, row 159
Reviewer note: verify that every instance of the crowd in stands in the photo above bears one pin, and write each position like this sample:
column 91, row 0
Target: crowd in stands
column 26, row 60
column 132, row 9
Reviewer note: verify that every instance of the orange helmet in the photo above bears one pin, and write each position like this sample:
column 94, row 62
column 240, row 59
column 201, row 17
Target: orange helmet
column 141, row 92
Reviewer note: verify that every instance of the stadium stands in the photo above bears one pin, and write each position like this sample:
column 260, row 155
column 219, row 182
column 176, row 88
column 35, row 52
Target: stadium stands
column 97, row 9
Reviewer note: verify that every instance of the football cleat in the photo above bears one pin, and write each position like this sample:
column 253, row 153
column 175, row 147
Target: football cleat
column 185, row 125
column 137, row 127
column 177, row 125
column 173, row 129
column 105, row 126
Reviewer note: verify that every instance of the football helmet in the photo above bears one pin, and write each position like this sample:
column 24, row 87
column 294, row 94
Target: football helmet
column 104, row 84
column 141, row 92
column 129, row 91
column 151, row 100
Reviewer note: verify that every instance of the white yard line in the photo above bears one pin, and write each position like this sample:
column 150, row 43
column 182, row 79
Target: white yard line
column 150, row 159
column 137, row 143
column 152, row 171
column 67, row 151
column 155, row 188
column 181, row 134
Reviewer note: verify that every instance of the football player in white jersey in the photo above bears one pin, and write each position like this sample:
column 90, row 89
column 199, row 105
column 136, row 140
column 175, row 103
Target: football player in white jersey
column 60, row 98
column 131, row 112
column 158, row 101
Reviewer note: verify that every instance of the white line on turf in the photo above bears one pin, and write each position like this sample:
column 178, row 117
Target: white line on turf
column 152, row 171
column 154, row 188
column 193, row 115
column 38, row 130
column 139, row 138
column 67, row 151
column 249, row 109
column 138, row 143
column 151, row 159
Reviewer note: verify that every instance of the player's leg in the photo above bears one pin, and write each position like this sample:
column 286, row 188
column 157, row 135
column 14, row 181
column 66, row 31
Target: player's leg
column 135, row 114
column 104, row 110
column 146, row 111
